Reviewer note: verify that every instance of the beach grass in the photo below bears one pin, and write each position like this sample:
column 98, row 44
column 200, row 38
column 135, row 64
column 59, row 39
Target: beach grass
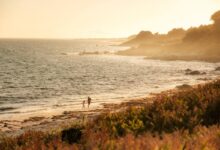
column 188, row 119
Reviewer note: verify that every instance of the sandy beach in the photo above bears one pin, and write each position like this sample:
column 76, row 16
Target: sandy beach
column 109, row 75
column 40, row 123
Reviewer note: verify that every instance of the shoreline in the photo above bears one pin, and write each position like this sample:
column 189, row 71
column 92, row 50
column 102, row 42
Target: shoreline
column 171, row 57
column 39, row 123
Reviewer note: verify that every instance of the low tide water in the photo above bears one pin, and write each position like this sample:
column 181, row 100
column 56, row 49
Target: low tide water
column 47, row 77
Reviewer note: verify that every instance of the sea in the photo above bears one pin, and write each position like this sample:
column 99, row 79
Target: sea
column 48, row 77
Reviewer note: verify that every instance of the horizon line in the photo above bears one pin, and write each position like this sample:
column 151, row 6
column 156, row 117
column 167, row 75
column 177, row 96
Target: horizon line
column 21, row 38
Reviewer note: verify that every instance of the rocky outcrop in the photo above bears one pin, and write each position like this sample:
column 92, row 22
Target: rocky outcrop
column 217, row 69
column 195, row 72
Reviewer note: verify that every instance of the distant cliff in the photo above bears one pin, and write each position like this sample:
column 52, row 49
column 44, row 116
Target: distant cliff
column 201, row 42
column 147, row 37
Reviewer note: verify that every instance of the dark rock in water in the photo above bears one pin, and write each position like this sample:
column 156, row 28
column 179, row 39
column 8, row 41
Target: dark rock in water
column 184, row 86
column 188, row 70
column 5, row 125
column 195, row 73
column 6, row 108
column 217, row 69
column 67, row 112
column 204, row 79
column 63, row 53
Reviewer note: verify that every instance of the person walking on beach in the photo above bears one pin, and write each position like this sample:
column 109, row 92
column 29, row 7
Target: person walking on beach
column 89, row 101
column 83, row 103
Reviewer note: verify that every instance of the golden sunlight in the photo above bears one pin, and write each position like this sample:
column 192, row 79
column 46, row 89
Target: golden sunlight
column 99, row 18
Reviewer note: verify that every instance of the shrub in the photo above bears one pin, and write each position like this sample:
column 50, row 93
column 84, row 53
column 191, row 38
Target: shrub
column 71, row 135
column 183, row 120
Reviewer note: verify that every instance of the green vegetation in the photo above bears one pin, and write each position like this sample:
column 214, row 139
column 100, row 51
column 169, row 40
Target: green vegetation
column 185, row 120
column 195, row 43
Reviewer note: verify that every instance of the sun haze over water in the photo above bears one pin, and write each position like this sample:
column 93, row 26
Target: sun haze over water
column 99, row 18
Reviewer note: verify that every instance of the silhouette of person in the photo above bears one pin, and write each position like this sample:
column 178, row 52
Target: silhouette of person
column 89, row 101
column 83, row 103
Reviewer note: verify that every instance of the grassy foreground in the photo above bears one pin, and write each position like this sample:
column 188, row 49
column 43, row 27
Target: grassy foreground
column 185, row 120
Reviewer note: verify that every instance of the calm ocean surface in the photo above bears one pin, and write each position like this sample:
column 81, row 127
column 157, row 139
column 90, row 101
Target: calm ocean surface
column 45, row 77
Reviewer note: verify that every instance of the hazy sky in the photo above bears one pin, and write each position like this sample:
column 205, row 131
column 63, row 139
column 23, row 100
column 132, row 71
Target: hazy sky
column 99, row 18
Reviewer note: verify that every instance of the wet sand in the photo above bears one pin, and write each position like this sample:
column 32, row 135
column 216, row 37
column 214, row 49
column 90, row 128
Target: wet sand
column 56, row 122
